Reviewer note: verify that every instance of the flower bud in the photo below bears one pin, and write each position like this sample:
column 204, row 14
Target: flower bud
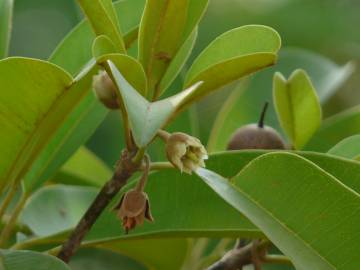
column 105, row 90
column 185, row 152
column 133, row 208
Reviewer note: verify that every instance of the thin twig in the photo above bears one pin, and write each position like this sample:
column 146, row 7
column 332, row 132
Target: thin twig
column 277, row 259
column 239, row 257
column 157, row 166
column 163, row 134
column 9, row 227
column 19, row 227
column 124, row 170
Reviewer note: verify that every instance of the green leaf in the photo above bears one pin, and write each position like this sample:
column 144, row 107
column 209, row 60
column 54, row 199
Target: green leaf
column 83, row 114
column 336, row 128
column 75, row 51
column 150, row 252
column 177, row 203
column 232, row 55
column 178, row 62
column 347, row 148
column 29, row 260
column 165, row 26
column 96, row 259
column 60, row 208
column 102, row 45
column 83, row 168
column 103, row 20
column 6, row 11
column 146, row 118
column 244, row 105
column 34, row 104
column 297, row 106
column 296, row 213
column 87, row 114
column 131, row 69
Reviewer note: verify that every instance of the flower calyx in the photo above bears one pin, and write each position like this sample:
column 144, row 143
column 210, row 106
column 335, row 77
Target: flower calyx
column 134, row 206
column 185, row 152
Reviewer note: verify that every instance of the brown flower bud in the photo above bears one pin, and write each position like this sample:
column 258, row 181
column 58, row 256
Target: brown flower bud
column 256, row 136
column 133, row 208
column 105, row 90
column 185, row 152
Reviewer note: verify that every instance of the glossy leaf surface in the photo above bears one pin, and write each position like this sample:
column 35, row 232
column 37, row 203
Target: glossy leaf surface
column 232, row 55
column 31, row 108
column 297, row 216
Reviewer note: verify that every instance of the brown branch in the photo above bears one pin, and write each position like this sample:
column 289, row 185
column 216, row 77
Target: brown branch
column 124, row 170
column 241, row 256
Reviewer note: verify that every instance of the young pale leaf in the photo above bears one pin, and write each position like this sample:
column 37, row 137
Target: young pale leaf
column 102, row 45
column 29, row 260
column 182, row 213
column 347, row 148
column 6, row 11
column 296, row 213
column 131, row 69
column 165, row 26
column 232, row 55
column 243, row 106
column 145, row 117
column 336, row 128
column 103, row 19
column 83, row 168
column 297, row 106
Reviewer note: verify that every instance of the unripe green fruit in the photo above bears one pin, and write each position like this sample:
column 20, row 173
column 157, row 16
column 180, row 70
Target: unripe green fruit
column 256, row 136
column 105, row 90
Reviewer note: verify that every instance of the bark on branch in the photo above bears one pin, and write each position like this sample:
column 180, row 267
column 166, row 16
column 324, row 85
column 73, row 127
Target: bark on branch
column 123, row 171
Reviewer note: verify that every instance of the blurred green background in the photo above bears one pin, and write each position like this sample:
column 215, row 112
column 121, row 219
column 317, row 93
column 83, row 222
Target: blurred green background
column 327, row 27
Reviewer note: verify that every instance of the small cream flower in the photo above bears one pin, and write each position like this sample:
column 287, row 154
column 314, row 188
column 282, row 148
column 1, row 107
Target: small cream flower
column 185, row 152
column 105, row 90
column 133, row 208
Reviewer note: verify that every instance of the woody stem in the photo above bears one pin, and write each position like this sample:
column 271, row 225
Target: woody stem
column 124, row 170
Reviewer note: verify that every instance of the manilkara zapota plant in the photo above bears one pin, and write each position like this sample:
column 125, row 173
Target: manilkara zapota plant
column 53, row 106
